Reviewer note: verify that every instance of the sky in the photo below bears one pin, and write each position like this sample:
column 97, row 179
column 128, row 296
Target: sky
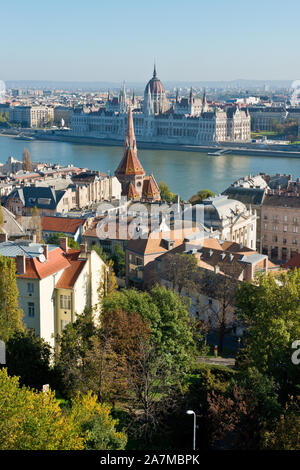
column 116, row 40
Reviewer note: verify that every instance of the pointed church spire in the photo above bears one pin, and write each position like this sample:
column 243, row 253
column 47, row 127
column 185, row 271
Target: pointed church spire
column 154, row 71
column 130, row 135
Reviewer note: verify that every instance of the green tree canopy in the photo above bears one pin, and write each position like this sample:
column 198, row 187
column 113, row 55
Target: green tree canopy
column 10, row 313
column 271, row 312
column 165, row 193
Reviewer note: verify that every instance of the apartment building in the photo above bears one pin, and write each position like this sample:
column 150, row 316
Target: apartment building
column 55, row 283
column 280, row 225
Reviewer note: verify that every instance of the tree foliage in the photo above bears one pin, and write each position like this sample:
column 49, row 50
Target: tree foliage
column 165, row 193
column 26, row 160
column 271, row 312
column 10, row 313
column 35, row 421
column 28, row 356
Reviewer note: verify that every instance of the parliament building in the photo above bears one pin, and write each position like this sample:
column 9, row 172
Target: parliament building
column 188, row 120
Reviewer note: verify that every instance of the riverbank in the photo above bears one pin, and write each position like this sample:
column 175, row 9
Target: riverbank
column 227, row 148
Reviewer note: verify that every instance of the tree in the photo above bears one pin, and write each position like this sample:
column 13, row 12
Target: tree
column 237, row 417
column 26, row 160
column 200, row 196
column 180, row 270
column 36, row 225
column 28, row 356
column 54, row 240
column 93, row 419
column 169, row 320
column 71, row 359
column 220, row 314
column 286, row 433
column 10, row 313
column 118, row 258
column 271, row 313
column 33, row 421
column 165, row 193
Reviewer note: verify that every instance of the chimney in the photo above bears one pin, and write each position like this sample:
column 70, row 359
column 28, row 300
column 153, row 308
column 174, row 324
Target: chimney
column 63, row 243
column 45, row 251
column 83, row 248
column 33, row 237
column 21, row 264
column 3, row 237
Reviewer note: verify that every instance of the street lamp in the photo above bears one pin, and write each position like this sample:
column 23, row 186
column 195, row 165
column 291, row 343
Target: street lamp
column 191, row 412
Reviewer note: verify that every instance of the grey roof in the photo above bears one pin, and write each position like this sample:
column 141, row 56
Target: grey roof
column 23, row 247
column 215, row 209
column 10, row 225
column 32, row 196
column 253, row 196
column 252, row 259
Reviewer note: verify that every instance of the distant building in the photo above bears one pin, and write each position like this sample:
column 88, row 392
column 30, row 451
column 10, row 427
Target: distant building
column 189, row 121
column 31, row 116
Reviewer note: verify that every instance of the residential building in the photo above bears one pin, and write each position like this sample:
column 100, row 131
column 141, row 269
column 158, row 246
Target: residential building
column 55, row 283
column 230, row 218
column 71, row 227
column 280, row 224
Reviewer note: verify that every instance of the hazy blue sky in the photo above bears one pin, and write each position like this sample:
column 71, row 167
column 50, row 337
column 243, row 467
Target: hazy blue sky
column 96, row 40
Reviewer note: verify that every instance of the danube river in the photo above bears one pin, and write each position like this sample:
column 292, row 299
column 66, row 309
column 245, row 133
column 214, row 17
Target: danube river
column 184, row 172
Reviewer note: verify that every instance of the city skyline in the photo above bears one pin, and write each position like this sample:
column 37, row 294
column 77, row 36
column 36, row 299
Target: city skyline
column 220, row 41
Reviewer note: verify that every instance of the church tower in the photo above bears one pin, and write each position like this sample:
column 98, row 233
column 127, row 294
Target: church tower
column 132, row 176
column 130, row 172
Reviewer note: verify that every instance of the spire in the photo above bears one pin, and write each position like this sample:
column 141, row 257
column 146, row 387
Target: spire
column 130, row 135
column 149, row 102
column 177, row 95
column 191, row 94
column 130, row 164
column 154, row 71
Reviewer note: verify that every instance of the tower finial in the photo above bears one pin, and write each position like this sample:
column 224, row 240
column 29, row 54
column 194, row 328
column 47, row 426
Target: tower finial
column 154, row 70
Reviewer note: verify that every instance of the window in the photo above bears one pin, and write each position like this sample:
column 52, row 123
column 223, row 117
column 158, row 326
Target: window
column 265, row 217
column 285, row 228
column 295, row 241
column 275, row 227
column 275, row 238
column 266, row 226
column 30, row 287
column 285, row 218
column 65, row 302
column 295, row 229
column 295, row 220
column 30, row 309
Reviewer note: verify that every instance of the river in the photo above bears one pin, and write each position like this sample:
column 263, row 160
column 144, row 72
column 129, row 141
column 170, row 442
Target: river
column 184, row 172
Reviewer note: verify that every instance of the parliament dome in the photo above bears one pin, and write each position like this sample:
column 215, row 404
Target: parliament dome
column 155, row 85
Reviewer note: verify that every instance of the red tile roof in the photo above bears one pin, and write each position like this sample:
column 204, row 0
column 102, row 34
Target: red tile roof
column 36, row 269
column 61, row 224
column 294, row 262
column 71, row 274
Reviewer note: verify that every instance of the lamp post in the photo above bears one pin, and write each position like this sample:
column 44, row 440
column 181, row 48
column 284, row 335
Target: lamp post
column 191, row 412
